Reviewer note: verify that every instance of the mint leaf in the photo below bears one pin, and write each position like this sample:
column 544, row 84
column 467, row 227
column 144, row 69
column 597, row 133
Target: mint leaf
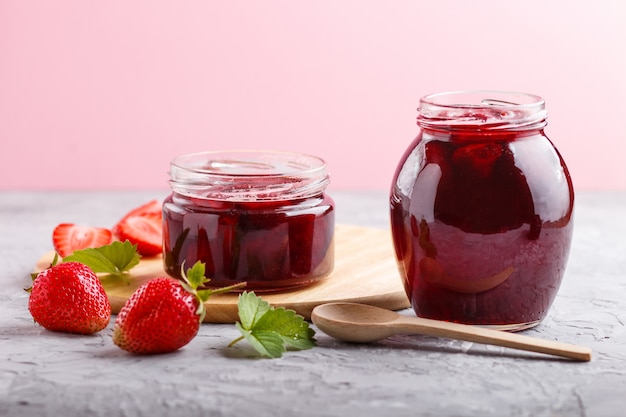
column 115, row 258
column 270, row 330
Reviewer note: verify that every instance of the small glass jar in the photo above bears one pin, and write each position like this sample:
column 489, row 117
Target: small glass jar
column 481, row 211
column 254, row 216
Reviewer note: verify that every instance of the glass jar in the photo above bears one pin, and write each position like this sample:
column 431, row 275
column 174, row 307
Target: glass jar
column 481, row 211
column 254, row 216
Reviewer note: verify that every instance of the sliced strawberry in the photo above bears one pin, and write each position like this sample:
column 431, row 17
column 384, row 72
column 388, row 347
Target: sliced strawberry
column 145, row 231
column 68, row 237
column 151, row 207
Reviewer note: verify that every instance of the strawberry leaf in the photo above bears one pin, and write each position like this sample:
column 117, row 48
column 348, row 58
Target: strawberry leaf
column 267, row 343
column 115, row 258
column 195, row 275
column 194, row 278
column 251, row 308
column 294, row 331
column 271, row 330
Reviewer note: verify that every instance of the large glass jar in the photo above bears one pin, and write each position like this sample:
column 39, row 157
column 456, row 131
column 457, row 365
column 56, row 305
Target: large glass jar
column 258, row 217
column 481, row 211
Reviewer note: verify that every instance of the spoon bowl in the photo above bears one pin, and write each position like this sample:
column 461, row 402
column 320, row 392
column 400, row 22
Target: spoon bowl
column 360, row 323
column 357, row 323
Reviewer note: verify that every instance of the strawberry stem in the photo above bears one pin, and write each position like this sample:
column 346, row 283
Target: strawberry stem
column 228, row 288
column 240, row 338
column 195, row 278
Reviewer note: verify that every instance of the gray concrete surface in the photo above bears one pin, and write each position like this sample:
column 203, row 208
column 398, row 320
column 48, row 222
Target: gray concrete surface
column 51, row 374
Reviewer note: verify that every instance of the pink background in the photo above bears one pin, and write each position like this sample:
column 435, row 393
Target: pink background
column 102, row 95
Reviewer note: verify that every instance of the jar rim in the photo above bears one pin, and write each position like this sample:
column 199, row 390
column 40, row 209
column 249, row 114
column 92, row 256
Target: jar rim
column 248, row 175
column 482, row 109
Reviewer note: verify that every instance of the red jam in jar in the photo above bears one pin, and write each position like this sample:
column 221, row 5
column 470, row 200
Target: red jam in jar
column 254, row 216
column 481, row 211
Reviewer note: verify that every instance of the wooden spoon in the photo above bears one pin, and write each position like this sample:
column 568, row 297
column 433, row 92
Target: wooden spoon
column 363, row 323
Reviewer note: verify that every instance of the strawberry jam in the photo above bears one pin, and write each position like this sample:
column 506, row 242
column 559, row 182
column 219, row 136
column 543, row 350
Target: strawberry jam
column 481, row 211
column 258, row 217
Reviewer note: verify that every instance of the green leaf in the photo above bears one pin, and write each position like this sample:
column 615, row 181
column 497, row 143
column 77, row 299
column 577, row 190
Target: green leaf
column 270, row 330
column 115, row 258
column 195, row 275
column 293, row 329
column 251, row 308
column 267, row 343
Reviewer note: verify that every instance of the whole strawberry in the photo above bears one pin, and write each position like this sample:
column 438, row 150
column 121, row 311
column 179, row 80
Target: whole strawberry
column 69, row 297
column 164, row 314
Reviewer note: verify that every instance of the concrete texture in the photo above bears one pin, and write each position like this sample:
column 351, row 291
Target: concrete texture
column 52, row 374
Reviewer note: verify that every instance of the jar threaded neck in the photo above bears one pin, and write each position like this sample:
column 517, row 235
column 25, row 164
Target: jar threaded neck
column 248, row 175
column 482, row 110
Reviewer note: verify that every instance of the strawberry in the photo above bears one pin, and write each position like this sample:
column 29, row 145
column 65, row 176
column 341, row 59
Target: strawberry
column 164, row 314
column 68, row 237
column 143, row 226
column 161, row 316
column 149, row 208
column 145, row 231
column 69, row 297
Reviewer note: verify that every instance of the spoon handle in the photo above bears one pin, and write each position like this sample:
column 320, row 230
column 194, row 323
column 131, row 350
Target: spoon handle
column 491, row 337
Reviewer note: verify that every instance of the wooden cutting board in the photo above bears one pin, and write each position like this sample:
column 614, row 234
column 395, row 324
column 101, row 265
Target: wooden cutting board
column 365, row 272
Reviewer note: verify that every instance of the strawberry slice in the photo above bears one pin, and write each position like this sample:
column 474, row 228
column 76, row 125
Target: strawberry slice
column 68, row 237
column 145, row 231
column 151, row 207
